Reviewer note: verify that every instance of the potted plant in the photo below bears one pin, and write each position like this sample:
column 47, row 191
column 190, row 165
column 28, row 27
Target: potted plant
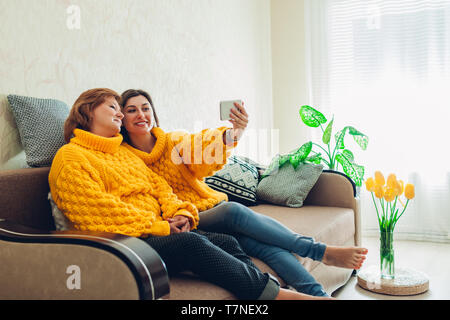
column 334, row 155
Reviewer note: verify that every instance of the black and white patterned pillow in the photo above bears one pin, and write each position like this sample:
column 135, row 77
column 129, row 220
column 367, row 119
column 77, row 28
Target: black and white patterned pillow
column 238, row 179
column 40, row 123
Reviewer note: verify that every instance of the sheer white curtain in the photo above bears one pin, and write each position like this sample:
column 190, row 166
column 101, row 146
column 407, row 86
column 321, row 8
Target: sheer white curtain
column 383, row 66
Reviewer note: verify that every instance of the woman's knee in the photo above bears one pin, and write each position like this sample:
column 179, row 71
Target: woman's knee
column 190, row 242
column 236, row 213
column 224, row 240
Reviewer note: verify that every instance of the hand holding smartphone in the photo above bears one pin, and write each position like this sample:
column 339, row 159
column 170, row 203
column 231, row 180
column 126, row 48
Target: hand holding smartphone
column 225, row 108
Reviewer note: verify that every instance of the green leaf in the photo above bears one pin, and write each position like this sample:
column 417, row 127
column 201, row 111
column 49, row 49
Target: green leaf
column 283, row 160
column 274, row 165
column 295, row 160
column 360, row 138
column 351, row 169
column 311, row 117
column 304, row 150
column 340, row 138
column 349, row 155
column 316, row 158
column 327, row 133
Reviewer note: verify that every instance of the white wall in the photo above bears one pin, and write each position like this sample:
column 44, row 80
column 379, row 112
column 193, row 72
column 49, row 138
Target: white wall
column 189, row 54
column 289, row 81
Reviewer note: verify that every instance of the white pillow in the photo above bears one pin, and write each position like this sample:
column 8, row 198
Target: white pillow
column 61, row 221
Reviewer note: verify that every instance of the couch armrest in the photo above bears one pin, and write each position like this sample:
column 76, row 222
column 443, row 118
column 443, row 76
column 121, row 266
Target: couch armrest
column 335, row 189
column 23, row 197
column 37, row 265
column 332, row 189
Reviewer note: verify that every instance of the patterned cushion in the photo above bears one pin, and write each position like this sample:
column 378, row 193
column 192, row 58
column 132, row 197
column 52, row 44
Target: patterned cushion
column 238, row 179
column 288, row 186
column 40, row 123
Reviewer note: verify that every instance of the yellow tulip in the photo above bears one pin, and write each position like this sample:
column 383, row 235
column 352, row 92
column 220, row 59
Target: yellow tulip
column 379, row 178
column 378, row 189
column 391, row 180
column 370, row 184
column 389, row 194
column 400, row 187
column 409, row 191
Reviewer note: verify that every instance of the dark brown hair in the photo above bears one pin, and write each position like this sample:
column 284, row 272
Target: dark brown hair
column 80, row 114
column 131, row 93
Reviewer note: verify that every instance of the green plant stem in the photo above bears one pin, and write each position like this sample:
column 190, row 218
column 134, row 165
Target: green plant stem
column 334, row 151
column 383, row 216
column 326, row 162
column 407, row 201
column 332, row 162
column 376, row 208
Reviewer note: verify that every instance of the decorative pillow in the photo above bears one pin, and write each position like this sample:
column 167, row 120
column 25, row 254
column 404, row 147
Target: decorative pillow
column 288, row 186
column 40, row 123
column 238, row 179
column 61, row 222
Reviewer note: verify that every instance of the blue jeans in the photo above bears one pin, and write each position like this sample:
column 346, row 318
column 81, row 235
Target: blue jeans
column 268, row 240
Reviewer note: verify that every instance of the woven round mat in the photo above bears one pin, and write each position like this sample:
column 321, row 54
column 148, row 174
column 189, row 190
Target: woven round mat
column 406, row 282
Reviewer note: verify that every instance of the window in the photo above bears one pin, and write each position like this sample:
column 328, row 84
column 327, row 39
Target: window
column 384, row 67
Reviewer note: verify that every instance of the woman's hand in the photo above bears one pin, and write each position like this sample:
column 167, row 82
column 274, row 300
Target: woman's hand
column 239, row 120
column 179, row 224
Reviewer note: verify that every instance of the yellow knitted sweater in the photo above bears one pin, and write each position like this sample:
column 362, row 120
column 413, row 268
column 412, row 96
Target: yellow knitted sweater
column 102, row 186
column 183, row 160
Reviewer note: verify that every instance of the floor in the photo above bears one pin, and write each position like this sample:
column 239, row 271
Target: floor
column 433, row 259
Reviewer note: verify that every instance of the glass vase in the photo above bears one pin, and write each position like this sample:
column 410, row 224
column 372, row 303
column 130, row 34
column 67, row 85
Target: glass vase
column 387, row 263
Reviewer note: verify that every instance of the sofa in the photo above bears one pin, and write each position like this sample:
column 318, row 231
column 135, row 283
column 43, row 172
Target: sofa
column 39, row 262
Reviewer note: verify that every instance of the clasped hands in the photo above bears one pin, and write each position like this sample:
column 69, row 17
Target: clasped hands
column 179, row 224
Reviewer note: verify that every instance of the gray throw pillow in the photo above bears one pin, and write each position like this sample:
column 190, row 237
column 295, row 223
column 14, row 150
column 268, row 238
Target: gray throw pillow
column 40, row 123
column 288, row 186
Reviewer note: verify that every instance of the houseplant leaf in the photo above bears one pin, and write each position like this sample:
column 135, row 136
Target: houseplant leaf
column 311, row 117
column 304, row 150
column 351, row 169
column 327, row 133
column 295, row 160
column 282, row 160
column 316, row 158
column 349, row 155
column 340, row 138
column 273, row 166
column 360, row 138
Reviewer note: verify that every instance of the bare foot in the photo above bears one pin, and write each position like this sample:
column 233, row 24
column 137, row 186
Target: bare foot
column 344, row 257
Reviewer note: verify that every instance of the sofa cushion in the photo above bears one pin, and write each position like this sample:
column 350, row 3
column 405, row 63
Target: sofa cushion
column 40, row 123
column 289, row 186
column 330, row 225
column 238, row 179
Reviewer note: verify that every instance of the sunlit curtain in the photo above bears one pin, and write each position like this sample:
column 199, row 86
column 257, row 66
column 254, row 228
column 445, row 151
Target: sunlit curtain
column 384, row 67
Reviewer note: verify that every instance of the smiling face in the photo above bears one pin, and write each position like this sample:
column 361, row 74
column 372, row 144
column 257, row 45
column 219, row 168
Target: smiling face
column 106, row 118
column 138, row 116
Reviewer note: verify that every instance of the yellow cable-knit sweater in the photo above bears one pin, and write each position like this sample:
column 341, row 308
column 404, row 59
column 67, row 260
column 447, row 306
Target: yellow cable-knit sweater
column 101, row 186
column 183, row 160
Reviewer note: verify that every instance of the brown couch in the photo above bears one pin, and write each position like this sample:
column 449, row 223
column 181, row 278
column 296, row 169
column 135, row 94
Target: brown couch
column 36, row 261
column 40, row 263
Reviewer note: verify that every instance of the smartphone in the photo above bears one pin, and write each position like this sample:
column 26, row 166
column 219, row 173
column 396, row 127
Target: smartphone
column 225, row 108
